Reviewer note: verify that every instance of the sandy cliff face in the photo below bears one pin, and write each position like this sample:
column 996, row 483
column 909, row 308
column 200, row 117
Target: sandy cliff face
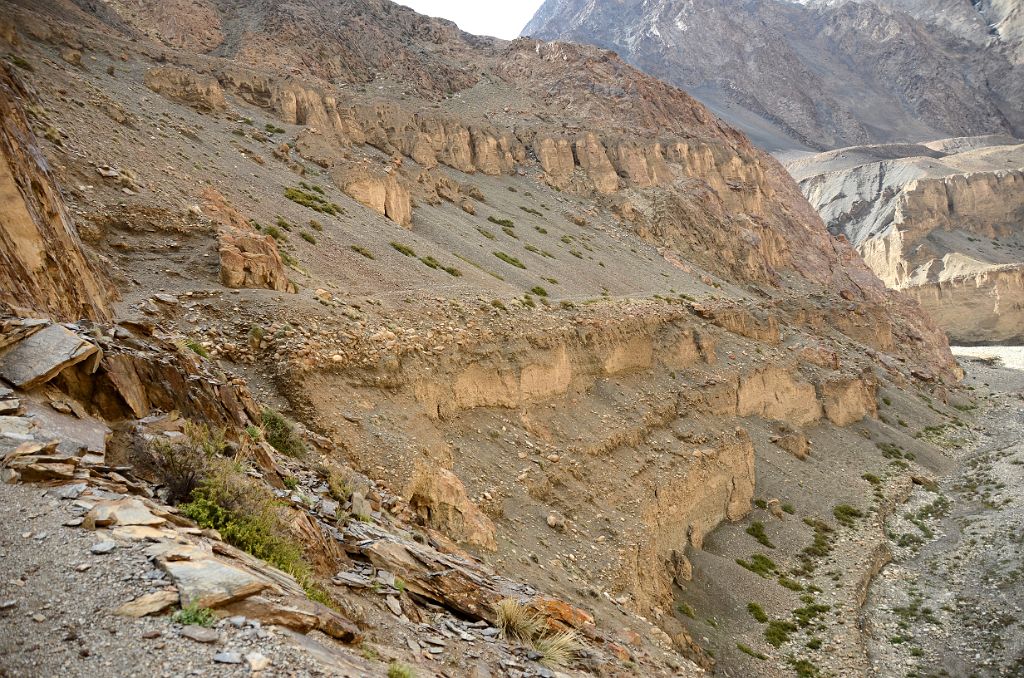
column 42, row 266
column 941, row 221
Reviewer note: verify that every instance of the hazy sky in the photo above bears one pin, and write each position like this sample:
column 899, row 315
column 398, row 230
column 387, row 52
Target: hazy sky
column 501, row 18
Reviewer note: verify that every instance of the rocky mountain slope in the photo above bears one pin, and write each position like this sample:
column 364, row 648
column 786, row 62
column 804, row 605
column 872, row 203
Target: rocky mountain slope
column 566, row 356
column 820, row 74
column 940, row 221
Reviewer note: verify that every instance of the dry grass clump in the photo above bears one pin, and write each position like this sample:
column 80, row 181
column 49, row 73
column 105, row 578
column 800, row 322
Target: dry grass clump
column 517, row 621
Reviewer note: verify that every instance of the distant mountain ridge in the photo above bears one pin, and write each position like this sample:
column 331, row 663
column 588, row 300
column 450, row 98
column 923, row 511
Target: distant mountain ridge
column 819, row 74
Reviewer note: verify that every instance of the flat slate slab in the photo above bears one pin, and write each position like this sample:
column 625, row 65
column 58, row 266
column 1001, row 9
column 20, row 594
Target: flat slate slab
column 211, row 582
column 41, row 356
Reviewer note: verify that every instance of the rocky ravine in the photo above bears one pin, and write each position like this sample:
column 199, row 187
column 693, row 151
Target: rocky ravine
column 554, row 336
column 949, row 604
column 940, row 221
column 820, row 73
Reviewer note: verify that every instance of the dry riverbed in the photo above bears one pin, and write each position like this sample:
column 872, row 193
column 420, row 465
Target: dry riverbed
column 950, row 603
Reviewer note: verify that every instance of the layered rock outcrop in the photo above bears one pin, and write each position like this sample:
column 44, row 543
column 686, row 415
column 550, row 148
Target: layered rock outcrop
column 247, row 258
column 940, row 221
column 42, row 265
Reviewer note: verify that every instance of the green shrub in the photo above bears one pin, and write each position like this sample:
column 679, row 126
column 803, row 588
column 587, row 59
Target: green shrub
column 509, row 260
column 752, row 652
column 485, row 233
column 362, row 250
column 777, row 632
column 758, row 564
column 244, row 514
column 509, row 232
column 686, row 609
column 399, row 670
column 404, row 249
column 314, row 201
column 283, row 223
column 308, row 237
column 316, row 225
column 181, row 464
column 275, row 233
column 846, row 514
column 790, row 584
column 193, row 615
column 507, row 223
column 759, row 503
column 530, row 210
column 756, row 530
column 281, row 434
column 757, row 612
column 539, row 291
column 273, row 129
column 197, row 348
column 803, row 668
column 788, row 508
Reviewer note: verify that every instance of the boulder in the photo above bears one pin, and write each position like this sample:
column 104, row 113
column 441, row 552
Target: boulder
column 149, row 604
column 43, row 355
column 439, row 497
column 211, row 582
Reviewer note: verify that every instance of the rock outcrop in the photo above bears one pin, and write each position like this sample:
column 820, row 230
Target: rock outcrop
column 940, row 221
column 42, row 265
column 247, row 258
column 187, row 87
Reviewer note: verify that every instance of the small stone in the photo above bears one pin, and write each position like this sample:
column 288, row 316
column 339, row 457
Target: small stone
column 38, row 618
column 103, row 548
column 237, row 621
column 394, row 605
column 200, row 634
column 556, row 521
column 7, row 604
column 150, row 635
column 74, row 522
column 257, row 662
column 82, row 567
column 227, row 658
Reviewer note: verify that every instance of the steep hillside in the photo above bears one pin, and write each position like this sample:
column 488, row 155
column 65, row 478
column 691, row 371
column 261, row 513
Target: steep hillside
column 820, row 73
column 553, row 334
column 941, row 221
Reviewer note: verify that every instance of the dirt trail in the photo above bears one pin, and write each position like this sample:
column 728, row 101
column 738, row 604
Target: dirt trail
column 950, row 602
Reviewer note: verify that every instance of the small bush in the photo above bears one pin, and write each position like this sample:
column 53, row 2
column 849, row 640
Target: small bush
column 814, row 643
column 752, row 652
column 193, row 615
column 362, row 250
column 197, row 348
column 485, row 233
column 275, row 233
column 846, row 514
column 759, row 503
column 308, row 237
column 686, row 609
column 509, row 260
column 515, row 621
column 539, row 291
column 790, row 584
column 280, row 433
column 872, row 478
column 788, row 508
column 399, row 670
column 181, row 464
column 507, row 223
column 803, row 668
column 403, row 249
column 778, row 631
column 756, row 530
column 757, row 612
column 273, row 129
column 21, row 62
column 758, row 564
column 530, row 210
column 244, row 513
column 510, row 232
column 314, row 201
column 558, row 649
column 316, row 225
